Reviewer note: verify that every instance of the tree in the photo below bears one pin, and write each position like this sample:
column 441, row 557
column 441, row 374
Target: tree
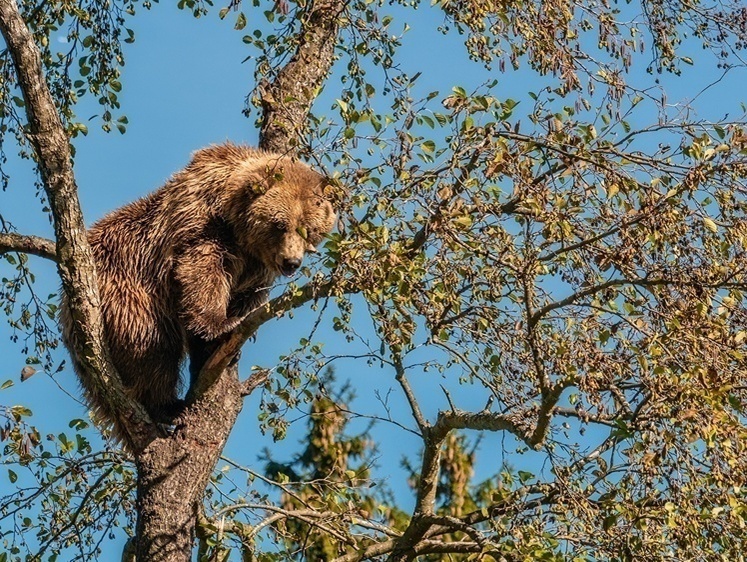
column 579, row 264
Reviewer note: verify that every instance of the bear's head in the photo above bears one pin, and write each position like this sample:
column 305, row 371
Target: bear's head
column 287, row 216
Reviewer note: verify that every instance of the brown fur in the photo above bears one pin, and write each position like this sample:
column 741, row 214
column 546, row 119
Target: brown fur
column 184, row 265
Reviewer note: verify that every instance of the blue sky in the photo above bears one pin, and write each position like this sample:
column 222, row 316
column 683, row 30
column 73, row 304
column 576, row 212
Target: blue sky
column 184, row 88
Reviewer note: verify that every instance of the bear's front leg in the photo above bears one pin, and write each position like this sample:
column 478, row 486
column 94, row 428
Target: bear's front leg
column 200, row 351
column 240, row 306
column 247, row 301
column 207, row 308
column 205, row 291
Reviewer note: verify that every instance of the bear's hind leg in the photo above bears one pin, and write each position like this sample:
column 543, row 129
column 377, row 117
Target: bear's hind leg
column 153, row 379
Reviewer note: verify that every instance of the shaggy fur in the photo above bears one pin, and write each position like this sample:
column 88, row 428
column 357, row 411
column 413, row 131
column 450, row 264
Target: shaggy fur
column 184, row 265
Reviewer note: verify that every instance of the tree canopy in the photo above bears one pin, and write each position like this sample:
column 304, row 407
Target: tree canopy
column 565, row 269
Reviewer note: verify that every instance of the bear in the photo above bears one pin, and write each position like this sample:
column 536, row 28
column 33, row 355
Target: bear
column 183, row 266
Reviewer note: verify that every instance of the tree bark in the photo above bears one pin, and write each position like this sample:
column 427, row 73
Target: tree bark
column 173, row 471
column 74, row 258
column 287, row 100
column 34, row 245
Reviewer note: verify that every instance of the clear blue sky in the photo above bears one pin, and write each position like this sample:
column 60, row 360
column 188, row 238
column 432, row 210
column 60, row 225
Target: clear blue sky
column 184, row 88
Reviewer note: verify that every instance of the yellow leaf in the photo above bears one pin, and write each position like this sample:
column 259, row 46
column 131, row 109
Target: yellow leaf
column 710, row 225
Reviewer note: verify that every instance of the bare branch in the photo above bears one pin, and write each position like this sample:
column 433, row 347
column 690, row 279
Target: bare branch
column 34, row 245
column 369, row 552
column 309, row 516
column 480, row 421
column 550, row 397
column 447, row 525
column 587, row 417
column 256, row 379
column 410, row 395
column 577, row 296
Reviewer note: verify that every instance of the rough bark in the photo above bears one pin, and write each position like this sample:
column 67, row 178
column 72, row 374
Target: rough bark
column 73, row 254
column 34, row 245
column 173, row 471
column 286, row 101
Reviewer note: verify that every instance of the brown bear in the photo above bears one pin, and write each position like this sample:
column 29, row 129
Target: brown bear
column 186, row 264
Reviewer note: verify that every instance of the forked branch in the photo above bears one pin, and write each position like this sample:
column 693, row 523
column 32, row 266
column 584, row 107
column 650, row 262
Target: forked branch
column 275, row 308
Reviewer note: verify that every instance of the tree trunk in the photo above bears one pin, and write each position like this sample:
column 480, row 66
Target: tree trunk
column 173, row 472
column 74, row 258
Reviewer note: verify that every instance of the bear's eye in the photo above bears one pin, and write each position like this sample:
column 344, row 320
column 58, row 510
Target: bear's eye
column 314, row 237
column 279, row 227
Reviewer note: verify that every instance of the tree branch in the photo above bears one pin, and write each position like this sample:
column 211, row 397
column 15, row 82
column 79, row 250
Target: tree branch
column 421, row 236
column 256, row 379
column 447, row 525
column 550, row 397
column 27, row 244
column 275, row 308
column 406, row 547
column 309, row 516
column 423, row 424
column 536, row 316
column 287, row 100
column 368, row 553
column 34, row 245
column 74, row 258
column 480, row 421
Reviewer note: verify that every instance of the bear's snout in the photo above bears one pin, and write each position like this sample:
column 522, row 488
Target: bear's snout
column 290, row 266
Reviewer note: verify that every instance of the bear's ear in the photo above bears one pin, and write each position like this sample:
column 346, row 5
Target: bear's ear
column 259, row 176
column 257, row 183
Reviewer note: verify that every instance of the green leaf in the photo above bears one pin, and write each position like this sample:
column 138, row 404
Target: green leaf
column 19, row 412
column 78, row 424
column 525, row 476
column 240, row 21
